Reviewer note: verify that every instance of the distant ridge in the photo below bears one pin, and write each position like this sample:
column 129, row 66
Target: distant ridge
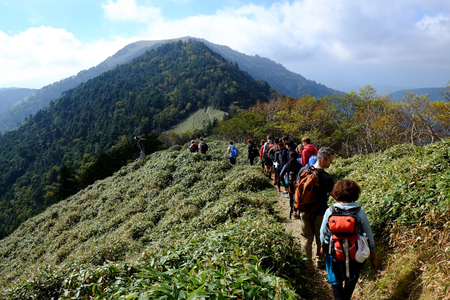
column 10, row 96
column 433, row 93
column 277, row 76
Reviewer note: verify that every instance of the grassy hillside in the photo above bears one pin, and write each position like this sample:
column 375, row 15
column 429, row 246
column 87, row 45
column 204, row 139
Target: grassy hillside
column 176, row 224
column 198, row 120
column 406, row 195
column 181, row 225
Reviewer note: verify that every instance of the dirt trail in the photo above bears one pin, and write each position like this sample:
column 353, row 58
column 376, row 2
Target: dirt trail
column 318, row 284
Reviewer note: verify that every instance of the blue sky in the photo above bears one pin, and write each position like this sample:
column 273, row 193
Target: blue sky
column 343, row 44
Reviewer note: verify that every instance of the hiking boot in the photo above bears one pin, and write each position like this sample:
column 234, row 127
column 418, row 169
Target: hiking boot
column 284, row 193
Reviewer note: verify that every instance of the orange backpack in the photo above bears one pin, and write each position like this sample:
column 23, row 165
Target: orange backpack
column 306, row 192
column 344, row 228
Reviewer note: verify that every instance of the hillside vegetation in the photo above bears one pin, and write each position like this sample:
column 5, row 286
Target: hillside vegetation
column 176, row 224
column 184, row 225
column 198, row 120
column 101, row 116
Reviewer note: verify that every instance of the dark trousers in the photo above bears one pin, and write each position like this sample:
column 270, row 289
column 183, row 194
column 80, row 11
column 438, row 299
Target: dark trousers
column 344, row 292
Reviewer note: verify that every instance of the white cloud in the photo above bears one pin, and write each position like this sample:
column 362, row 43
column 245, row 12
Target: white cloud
column 129, row 10
column 40, row 56
column 320, row 39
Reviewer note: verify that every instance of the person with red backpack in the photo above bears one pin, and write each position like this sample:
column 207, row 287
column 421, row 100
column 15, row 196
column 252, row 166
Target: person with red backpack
column 193, row 147
column 344, row 234
column 269, row 152
column 311, row 199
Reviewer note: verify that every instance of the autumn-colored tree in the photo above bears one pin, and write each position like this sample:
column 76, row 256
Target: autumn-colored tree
column 419, row 116
column 242, row 127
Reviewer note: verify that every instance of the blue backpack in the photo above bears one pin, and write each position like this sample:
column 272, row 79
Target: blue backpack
column 234, row 152
column 312, row 160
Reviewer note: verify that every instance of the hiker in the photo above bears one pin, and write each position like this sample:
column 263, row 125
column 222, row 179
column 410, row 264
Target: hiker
column 284, row 139
column 310, row 221
column 193, row 147
column 346, row 192
column 308, row 150
column 283, row 160
column 233, row 152
column 291, row 169
column 268, row 156
column 261, row 156
column 203, row 146
column 276, row 164
column 253, row 151
column 299, row 150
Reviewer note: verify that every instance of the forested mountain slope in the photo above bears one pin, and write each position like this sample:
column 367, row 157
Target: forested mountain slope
column 275, row 74
column 152, row 93
column 42, row 97
column 281, row 79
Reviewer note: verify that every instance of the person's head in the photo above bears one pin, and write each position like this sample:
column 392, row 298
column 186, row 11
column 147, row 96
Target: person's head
column 290, row 145
column 306, row 140
column 299, row 149
column 280, row 145
column 230, row 142
column 249, row 141
column 262, row 142
column 269, row 137
column 324, row 157
column 201, row 139
column 192, row 141
column 346, row 191
column 284, row 139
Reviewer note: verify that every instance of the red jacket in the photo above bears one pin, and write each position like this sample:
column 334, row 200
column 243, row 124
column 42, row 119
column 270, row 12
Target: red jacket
column 308, row 150
column 261, row 154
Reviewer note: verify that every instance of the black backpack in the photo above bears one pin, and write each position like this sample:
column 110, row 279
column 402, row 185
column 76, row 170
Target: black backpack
column 203, row 147
column 254, row 152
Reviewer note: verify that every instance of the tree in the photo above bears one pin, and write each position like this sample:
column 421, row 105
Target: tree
column 68, row 183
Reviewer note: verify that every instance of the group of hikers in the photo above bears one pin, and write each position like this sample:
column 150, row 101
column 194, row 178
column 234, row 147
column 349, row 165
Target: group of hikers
column 195, row 147
column 341, row 232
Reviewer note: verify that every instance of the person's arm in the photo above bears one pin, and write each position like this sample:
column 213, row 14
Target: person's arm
column 324, row 231
column 303, row 161
column 365, row 228
column 228, row 151
column 373, row 260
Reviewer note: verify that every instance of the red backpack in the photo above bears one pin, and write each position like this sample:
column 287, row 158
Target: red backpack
column 344, row 228
column 306, row 191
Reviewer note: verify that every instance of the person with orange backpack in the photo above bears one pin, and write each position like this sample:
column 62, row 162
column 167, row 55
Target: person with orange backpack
column 346, row 239
column 311, row 199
